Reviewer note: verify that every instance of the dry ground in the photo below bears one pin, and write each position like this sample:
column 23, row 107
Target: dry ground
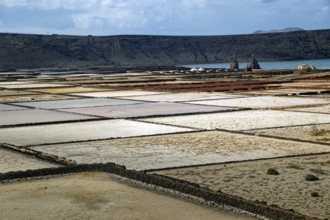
column 96, row 196
column 288, row 190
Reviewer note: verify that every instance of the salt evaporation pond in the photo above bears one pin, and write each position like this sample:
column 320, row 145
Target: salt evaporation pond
column 5, row 107
column 183, row 97
column 117, row 93
column 10, row 161
column 76, row 103
column 32, row 116
column 264, row 102
column 147, row 109
column 82, row 131
column 175, row 150
column 244, row 120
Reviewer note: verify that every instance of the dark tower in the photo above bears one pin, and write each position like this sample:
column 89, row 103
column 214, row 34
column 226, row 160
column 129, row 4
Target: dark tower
column 253, row 63
column 234, row 63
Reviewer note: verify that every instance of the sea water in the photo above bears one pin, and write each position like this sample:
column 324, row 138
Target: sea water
column 269, row 65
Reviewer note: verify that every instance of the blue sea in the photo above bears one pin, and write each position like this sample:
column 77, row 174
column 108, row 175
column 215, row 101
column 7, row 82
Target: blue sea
column 270, row 65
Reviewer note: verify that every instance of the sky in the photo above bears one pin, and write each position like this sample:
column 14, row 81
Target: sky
column 160, row 17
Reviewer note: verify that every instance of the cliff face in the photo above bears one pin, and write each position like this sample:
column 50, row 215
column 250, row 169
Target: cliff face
column 25, row 51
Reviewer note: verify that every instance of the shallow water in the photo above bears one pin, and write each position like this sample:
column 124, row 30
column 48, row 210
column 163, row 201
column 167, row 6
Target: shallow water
column 269, row 65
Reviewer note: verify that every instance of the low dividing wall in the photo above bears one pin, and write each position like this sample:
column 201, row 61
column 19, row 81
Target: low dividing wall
column 218, row 198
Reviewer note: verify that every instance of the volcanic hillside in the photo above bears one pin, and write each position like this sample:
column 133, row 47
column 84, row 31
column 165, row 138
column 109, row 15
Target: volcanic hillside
column 29, row 51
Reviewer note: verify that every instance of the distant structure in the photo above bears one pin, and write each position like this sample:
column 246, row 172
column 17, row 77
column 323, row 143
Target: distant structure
column 253, row 64
column 306, row 67
column 234, row 65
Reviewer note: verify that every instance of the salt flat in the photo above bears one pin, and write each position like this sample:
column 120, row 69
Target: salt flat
column 11, row 161
column 81, row 131
column 66, row 90
column 286, row 91
column 118, row 93
column 288, row 190
column 9, row 92
column 25, row 85
column 319, row 109
column 182, row 97
column 264, row 102
column 76, row 117
column 147, row 109
column 244, row 120
column 8, row 83
column 179, row 149
column 76, row 103
column 33, row 98
column 5, row 107
column 317, row 133
column 32, row 116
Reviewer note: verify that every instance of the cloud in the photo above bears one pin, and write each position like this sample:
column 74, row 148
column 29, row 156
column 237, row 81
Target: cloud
column 94, row 14
column 32, row 17
column 50, row 4
column 124, row 14
column 267, row 1
column 191, row 4
column 325, row 8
